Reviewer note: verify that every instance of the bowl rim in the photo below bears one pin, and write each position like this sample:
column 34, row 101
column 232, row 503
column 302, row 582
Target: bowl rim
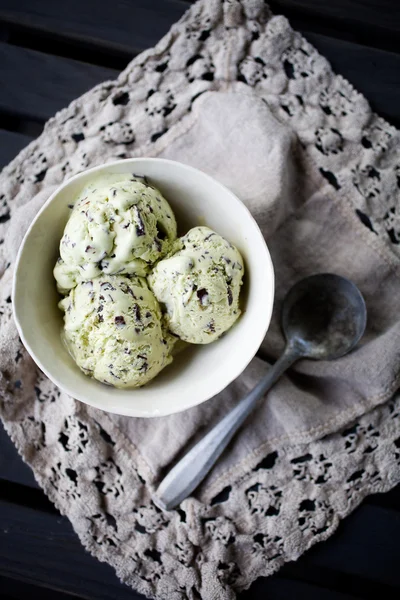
column 113, row 404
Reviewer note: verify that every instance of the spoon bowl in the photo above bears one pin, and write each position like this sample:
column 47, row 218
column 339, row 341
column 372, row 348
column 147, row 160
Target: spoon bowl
column 324, row 316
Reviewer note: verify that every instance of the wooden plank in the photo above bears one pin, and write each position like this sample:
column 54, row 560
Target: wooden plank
column 365, row 545
column 280, row 588
column 361, row 559
column 11, row 143
column 336, row 581
column 12, row 589
column 102, row 24
column 42, row 549
column 128, row 25
column 374, row 73
column 390, row 500
column 361, row 21
column 384, row 14
column 12, row 467
column 37, row 85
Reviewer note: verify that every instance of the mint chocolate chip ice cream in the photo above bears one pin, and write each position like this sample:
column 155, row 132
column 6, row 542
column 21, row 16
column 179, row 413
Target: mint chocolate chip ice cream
column 118, row 330
column 120, row 224
column 199, row 284
column 113, row 330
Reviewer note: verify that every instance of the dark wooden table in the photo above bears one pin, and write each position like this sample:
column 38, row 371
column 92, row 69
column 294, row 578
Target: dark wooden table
column 50, row 53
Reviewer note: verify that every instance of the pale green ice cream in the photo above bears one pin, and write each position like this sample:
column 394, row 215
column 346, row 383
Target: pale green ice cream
column 199, row 284
column 120, row 224
column 113, row 330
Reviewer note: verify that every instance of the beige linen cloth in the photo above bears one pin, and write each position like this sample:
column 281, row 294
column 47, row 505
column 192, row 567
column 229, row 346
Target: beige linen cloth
column 236, row 92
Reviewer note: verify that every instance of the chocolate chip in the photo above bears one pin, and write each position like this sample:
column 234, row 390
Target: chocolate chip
column 211, row 327
column 119, row 321
column 227, row 260
column 100, row 308
column 127, row 351
column 137, row 330
column 100, row 318
column 140, row 229
column 141, row 178
column 142, row 356
column 106, row 286
column 202, row 295
column 209, row 236
column 88, row 248
column 136, row 310
column 127, row 290
column 230, row 297
column 148, row 315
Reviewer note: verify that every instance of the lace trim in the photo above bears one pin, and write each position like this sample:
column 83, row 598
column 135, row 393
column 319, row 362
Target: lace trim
column 292, row 499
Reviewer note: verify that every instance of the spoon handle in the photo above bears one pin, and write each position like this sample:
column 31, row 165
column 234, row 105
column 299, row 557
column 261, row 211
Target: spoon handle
column 194, row 466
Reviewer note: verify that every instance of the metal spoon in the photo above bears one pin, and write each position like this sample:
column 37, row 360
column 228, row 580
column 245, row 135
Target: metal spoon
column 323, row 318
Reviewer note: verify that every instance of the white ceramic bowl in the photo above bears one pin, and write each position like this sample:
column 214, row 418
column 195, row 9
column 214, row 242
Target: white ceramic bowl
column 199, row 372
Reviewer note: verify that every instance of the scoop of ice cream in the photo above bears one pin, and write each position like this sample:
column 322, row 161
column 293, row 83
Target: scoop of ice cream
column 120, row 224
column 199, row 285
column 113, row 330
